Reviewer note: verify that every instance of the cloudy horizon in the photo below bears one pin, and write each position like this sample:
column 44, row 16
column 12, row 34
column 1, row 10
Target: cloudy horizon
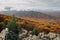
column 30, row 4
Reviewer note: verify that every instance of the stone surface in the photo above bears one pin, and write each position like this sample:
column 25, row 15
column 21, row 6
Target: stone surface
column 3, row 34
column 24, row 33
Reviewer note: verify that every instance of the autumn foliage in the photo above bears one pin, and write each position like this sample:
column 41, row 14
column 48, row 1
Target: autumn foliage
column 29, row 23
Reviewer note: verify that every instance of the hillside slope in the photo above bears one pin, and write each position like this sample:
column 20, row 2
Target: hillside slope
column 39, row 24
column 34, row 14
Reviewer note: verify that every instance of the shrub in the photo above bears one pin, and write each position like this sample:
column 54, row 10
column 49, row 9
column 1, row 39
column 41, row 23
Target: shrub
column 35, row 32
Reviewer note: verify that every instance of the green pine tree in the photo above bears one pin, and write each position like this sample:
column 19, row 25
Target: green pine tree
column 13, row 30
column 12, row 25
column 35, row 32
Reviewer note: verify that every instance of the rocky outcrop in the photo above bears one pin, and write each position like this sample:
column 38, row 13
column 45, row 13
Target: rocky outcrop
column 25, row 35
column 42, row 36
column 3, row 34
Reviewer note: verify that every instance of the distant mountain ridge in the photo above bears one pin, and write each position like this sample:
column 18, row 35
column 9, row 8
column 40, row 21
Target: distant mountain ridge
column 34, row 14
column 8, row 12
column 53, row 13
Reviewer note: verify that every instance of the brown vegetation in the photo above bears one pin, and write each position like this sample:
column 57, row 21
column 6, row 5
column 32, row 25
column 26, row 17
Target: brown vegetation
column 28, row 23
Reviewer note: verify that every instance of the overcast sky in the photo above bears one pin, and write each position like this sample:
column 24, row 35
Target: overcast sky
column 31, row 4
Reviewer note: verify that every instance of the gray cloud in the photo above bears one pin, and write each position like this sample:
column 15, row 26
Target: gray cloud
column 31, row 4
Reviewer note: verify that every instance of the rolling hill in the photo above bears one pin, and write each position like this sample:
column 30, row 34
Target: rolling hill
column 34, row 14
column 39, row 24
